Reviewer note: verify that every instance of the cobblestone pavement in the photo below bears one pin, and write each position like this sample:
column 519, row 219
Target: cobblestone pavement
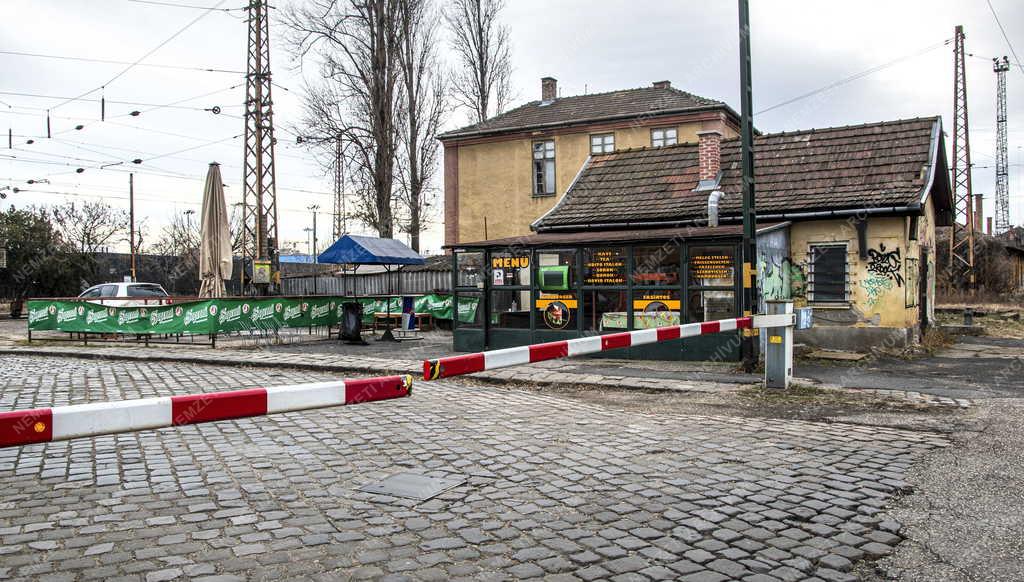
column 685, row 377
column 555, row 488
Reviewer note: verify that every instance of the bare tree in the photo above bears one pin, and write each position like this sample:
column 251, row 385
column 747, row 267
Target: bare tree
column 357, row 43
column 91, row 226
column 179, row 238
column 481, row 43
column 424, row 106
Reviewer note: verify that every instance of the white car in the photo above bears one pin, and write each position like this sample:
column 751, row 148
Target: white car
column 126, row 294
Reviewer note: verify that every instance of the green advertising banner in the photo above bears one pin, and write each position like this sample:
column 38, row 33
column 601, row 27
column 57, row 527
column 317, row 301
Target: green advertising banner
column 224, row 315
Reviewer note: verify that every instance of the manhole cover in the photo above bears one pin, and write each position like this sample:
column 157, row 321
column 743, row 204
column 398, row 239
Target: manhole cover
column 412, row 486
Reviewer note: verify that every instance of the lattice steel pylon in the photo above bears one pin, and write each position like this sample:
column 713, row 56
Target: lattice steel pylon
column 340, row 225
column 961, row 240
column 1000, row 66
column 259, row 194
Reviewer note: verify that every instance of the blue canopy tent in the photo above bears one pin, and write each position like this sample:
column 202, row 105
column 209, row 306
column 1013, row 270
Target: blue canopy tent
column 367, row 250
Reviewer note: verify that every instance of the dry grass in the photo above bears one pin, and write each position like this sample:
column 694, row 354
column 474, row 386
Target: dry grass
column 998, row 321
column 935, row 339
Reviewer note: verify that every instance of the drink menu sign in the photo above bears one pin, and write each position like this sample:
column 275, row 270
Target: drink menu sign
column 604, row 267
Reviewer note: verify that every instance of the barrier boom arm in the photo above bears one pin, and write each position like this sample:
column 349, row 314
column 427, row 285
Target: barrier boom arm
column 22, row 427
column 490, row 360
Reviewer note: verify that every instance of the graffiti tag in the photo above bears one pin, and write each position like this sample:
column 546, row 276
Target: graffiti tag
column 886, row 264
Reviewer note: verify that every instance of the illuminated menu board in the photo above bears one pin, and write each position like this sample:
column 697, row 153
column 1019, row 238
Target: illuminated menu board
column 711, row 266
column 604, row 267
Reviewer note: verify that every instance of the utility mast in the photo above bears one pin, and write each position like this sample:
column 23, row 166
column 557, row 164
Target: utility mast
column 259, row 194
column 1000, row 66
column 340, row 225
column 961, row 239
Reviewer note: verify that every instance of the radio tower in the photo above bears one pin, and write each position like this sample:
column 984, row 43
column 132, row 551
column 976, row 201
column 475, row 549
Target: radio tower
column 1002, row 177
column 259, row 194
column 961, row 239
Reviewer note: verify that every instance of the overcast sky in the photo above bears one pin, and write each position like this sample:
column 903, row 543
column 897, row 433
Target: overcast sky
column 590, row 46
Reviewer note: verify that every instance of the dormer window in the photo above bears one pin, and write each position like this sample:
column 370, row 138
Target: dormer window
column 602, row 143
column 663, row 136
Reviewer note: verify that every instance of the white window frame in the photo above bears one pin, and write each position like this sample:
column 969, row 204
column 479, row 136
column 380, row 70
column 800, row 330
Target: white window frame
column 664, row 139
column 845, row 246
column 602, row 143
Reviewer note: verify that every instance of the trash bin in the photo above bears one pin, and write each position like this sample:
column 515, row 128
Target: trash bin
column 352, row 323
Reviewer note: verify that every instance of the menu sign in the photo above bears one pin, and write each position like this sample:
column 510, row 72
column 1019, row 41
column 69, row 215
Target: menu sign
column 711, row 266
column 605, row 267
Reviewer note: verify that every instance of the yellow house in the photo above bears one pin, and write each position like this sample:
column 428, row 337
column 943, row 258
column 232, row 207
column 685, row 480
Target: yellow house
column 500, row 175
column 649, row 236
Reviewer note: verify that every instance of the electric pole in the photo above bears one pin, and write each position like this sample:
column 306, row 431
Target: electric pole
column 1000, row 66
column 313, row 208
column 259, row 193
column 961, row 236
column 131, row 221
column 748, row 346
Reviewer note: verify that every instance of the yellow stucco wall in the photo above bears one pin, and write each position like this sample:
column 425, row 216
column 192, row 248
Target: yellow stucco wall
column 882, row 285
column 496, row 178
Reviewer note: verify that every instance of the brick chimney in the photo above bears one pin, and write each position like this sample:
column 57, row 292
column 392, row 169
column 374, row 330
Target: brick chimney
column 662, row 84
column 977, row 212
column 988, row 225
column 548, row 89
column 709, row 153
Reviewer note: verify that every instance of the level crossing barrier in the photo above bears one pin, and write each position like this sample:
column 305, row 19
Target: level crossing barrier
column 22, row 427
column 494, row 359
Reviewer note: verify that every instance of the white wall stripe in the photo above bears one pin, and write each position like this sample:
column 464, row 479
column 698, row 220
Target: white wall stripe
column 304, row 396
column 110, row 417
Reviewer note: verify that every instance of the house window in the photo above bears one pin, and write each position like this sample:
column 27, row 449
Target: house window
column 828, row 276
column 603, row 143
column 663, row 136
column 544, row 168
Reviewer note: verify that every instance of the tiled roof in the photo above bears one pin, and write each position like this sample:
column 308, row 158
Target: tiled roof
column 864, row 166
column 644, row 101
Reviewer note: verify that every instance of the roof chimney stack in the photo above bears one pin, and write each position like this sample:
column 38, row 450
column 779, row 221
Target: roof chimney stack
column 662, row 84
column 548, row 89
column 709, row 153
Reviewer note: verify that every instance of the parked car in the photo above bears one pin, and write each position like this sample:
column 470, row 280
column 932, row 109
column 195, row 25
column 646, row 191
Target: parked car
column 126, row 294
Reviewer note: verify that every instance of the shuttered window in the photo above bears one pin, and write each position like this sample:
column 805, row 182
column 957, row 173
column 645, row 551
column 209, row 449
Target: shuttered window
column 828, row 275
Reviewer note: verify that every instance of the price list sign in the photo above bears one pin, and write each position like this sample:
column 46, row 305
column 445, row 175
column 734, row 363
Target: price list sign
column 604, row 267
column 711, row 267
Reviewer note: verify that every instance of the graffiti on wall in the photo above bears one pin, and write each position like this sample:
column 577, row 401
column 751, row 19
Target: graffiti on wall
column 874, row 287
column 774, row 278
column 886, row 264
column 797, row 281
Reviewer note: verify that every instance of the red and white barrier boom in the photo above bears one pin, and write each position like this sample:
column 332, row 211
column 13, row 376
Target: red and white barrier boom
column 490, row 360
column 22, row 427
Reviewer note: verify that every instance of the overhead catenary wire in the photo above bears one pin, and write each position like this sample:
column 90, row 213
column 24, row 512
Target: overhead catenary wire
column 116, row 62
column 856, row 76
column 1005, row 37
column 143, row 57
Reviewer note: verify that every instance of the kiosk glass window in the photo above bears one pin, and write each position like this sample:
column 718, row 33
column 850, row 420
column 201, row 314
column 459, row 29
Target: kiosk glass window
column 656, row 308
column 556, row 305
column 470, row 266
column 656, row 265
column 510, row 309
column 469, row 309
column 605, row 310
column 510, row 269
column 712, row 265
column 604, row 266
column 711, row 305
